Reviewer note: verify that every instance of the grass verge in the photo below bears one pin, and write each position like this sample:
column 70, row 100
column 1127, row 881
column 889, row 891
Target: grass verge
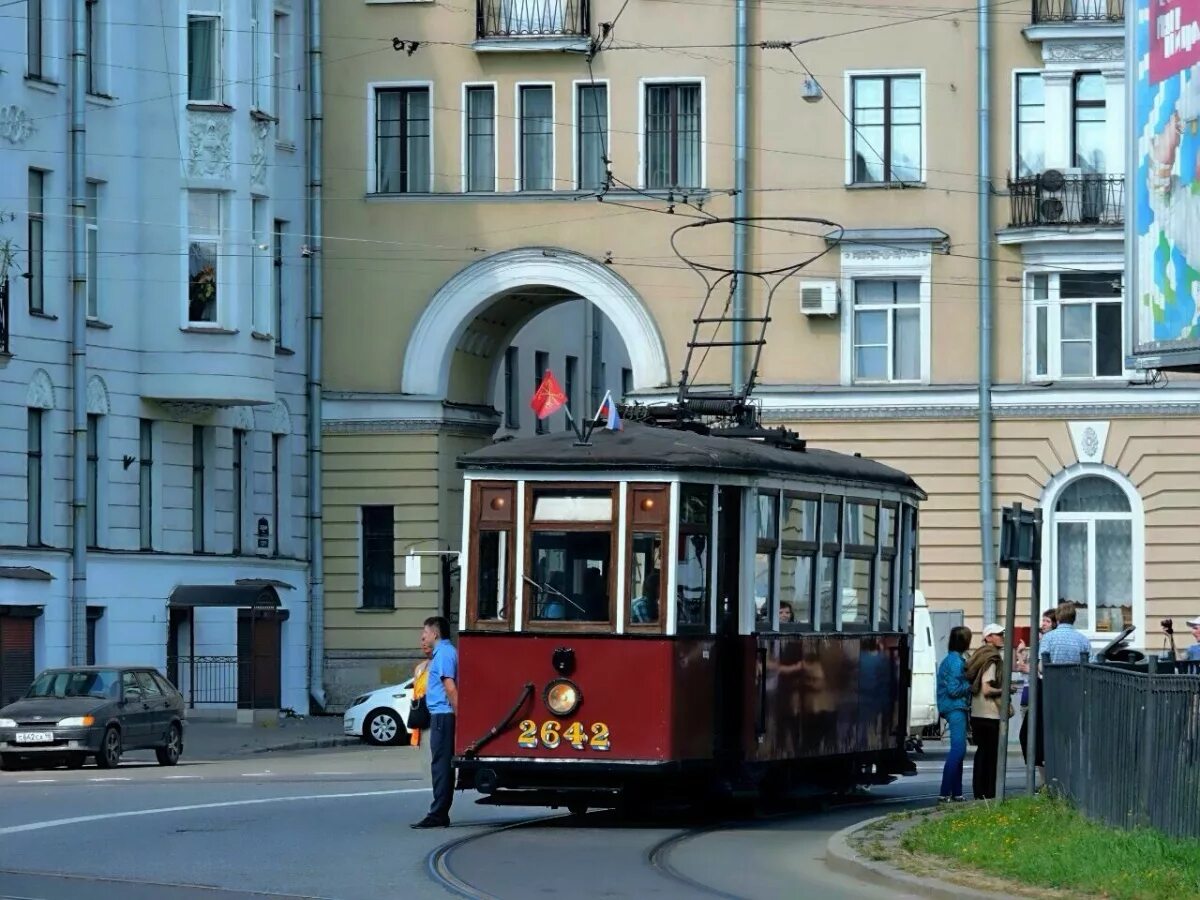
column 1043, row 842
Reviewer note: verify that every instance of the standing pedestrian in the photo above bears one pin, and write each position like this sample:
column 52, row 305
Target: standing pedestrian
column 1064, row 644
column 441, row 693
column 983, row 671
column 953, row 701
column 1193, row 652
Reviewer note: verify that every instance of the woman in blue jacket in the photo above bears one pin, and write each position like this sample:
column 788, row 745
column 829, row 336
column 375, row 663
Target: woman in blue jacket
column 954, row 703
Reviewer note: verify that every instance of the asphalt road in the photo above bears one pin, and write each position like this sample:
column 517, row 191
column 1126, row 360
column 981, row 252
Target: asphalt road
column 334, row 824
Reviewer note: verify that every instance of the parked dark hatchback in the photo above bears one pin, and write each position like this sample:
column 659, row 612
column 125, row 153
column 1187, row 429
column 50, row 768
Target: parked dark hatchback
column 71, row 714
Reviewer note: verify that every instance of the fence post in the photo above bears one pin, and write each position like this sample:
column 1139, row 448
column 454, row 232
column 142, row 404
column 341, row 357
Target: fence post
column 1145, row 773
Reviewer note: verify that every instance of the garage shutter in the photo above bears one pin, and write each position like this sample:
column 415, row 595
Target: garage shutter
column 16, row 657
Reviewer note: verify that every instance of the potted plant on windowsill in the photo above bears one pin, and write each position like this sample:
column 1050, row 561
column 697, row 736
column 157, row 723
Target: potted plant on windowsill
column 202, row 295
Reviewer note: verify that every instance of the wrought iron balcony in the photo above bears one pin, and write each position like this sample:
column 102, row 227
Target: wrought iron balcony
column 1058, row 198
column 532, row 19
column 1096, row 11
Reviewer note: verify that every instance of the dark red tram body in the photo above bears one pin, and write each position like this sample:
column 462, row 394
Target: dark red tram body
column 784, row 660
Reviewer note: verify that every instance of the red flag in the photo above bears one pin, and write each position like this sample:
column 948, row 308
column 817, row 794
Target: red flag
column 549, row 396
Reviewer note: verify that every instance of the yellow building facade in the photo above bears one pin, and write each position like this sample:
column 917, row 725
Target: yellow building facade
column 466, row 190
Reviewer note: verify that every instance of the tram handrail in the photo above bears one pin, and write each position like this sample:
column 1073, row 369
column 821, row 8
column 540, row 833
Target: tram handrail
column 476, row 746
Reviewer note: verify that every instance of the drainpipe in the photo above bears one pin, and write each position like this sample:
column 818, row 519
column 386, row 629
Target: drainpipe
column 987, row 541
column 316, row 550
column 740, row 204
column 78, row 167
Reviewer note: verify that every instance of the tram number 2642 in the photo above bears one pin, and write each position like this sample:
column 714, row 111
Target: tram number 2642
column 551, row 734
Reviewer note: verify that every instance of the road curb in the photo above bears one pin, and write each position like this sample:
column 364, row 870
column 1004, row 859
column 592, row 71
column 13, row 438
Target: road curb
column 308, row 744
column 843, row 858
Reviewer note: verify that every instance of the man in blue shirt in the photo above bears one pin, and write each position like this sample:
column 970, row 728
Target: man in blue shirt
column 442, row 696
column 1064, row 644
column 1193, row 652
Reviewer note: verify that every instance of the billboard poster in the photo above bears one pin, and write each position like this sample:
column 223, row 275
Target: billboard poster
column 1163, row 235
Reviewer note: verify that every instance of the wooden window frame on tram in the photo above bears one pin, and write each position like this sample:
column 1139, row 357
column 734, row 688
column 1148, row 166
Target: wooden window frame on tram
column 484, row 519
column 528, row 623
column 659, row 524
column 809, row 549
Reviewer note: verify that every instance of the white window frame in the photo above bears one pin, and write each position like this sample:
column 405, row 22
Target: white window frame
column 218, row 98
column 576, row 123
column 92, row 248
column 848, row 101
column 495, row 86
column 518, row 182
column 643, row 83
column 1136, row 515
column 260, row 45
column 373, row 88
column 98, row 50
column 280, row 57
column 1013, row 162
column 222, row 261
column 1054, row 324
column 916, row 263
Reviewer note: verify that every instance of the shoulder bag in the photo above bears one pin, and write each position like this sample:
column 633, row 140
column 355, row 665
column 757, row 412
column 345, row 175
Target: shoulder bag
column 418, row 714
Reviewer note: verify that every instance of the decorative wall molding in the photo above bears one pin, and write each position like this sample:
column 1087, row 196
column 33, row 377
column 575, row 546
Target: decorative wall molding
column 40, row 394
column 16, row 125
column 279, row 418
column 1083, row 51
column 259, row 149
column 1089, row 439
column 186, row 411
column 97, row 397
column 408, row 426
column 209, row 150
column 851, row 253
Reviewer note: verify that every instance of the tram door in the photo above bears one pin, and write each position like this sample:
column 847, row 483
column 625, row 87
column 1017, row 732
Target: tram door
column 729, row 689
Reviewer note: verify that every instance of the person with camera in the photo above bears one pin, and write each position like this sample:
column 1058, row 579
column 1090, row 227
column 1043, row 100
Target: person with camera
column 1193, row 652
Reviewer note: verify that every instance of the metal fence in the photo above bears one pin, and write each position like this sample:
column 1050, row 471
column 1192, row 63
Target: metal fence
column 1066, row 198
column 531, row 18
column 1123, row 743
column 211, row 680
column 1078, row 10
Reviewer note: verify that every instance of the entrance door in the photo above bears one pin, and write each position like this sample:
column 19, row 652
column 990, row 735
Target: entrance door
column 728, row 693
column 258, row 659
column 16, row 657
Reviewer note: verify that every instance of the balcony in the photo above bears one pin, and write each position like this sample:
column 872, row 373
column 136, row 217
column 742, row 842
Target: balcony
column 1059, row 199
column 1055, row 12
column 508, row 25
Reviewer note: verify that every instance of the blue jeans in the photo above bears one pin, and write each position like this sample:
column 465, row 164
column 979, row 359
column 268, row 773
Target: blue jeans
column 952, row 785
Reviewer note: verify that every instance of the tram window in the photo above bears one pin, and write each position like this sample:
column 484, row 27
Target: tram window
column 856, row 592
column 831, row 518
column 799, row 519
column 492, row 576
column 826, row 572
column 795, row 592
column 576, row 506
column 694, row 561
column 887, row 572
column 887, row 526
column 861, row 524
column 764, row 560
column 645, row 582
column 571, row 571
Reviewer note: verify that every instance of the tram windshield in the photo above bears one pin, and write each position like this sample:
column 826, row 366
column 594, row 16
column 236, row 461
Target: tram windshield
column 570, row 555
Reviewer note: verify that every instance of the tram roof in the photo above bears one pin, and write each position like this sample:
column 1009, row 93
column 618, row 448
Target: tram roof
column 647, row 447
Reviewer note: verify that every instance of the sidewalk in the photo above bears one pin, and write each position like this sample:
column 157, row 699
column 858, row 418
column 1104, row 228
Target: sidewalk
column 219, row 739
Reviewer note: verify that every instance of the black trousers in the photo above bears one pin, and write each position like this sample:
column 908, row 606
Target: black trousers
column 441, row 746
column 1040, row 749
column 983, row 778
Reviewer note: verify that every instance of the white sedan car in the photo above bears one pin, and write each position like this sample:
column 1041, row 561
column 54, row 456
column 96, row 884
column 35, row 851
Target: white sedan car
column 380, row 716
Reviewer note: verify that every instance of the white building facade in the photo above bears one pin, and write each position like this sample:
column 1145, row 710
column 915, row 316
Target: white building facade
column 196, row 365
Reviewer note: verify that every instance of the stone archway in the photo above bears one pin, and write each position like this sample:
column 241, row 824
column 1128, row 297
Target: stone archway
column 441, row 327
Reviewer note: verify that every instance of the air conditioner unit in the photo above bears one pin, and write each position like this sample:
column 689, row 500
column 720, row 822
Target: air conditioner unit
column 819, row 298
column 1058, row 196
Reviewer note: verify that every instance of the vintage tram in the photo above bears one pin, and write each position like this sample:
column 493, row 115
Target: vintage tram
column 675, row 609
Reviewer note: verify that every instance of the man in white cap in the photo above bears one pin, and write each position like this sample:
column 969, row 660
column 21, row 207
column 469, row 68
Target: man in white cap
column 1193, row 652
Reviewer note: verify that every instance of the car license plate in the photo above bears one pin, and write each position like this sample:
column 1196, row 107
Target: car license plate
column 35, row 737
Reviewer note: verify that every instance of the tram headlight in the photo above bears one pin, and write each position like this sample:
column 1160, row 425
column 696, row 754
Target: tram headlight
column 562, row 697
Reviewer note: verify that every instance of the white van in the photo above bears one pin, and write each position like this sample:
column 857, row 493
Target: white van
column 922, row 709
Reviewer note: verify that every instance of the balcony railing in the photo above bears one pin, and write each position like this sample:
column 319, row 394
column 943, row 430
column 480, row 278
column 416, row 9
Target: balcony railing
column 1100, row 11
column 532, row 19
column 4, row 282
column 1055, row 198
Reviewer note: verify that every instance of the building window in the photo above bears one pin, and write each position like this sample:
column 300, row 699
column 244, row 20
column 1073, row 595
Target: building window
column 626, row 383
column 1077, row 325
column 887, row 330
column 277, row 485
column 511, row 416
column 204, row 59
column 277, row 282
column 541, row 363
column 197, row 489
column 481, row 139
column 93, row 249
column 1093, row 553
column 570, row 386
column 379, row 557
column 1089, row 133
column 94, row 22
column 260, row 280
column 33, row 477
column 1030, row 127
column 93, row 481
column 537, row 138
column 402, row 152
column 204, row 249
column 673, row 136
column 239, row 481
column 886, row 128
column 146, row 484
column 33, row 38
column 34, row 241
column 280, row 71
column 258, row 79
column 592, row 148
